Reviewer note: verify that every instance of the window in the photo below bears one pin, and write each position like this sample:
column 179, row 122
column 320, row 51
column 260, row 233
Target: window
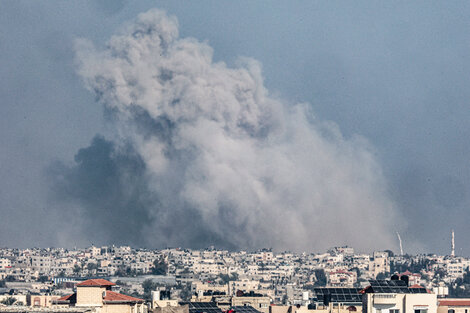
column 453, row 311
column 394, row 311
column 421, row 310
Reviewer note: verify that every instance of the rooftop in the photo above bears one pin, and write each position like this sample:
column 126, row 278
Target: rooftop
column 454, row 302
column 112, row 296
column 98, row 282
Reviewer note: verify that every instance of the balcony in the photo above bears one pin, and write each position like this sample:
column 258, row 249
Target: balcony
column 384, row 298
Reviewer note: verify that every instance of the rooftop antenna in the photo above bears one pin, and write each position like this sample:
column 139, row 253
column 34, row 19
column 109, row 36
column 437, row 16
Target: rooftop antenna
column 401, row 247
column 452, row 245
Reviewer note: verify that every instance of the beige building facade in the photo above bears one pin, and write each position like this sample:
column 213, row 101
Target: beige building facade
column 399, row 303
column 453, row 306
column 43, row 301
column 97, row 293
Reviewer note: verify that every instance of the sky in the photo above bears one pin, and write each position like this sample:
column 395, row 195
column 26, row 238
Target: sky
column 349, row 115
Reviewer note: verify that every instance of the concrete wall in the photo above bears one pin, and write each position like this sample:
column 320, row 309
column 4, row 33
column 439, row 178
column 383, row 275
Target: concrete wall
column 117, row 308
column 90, row 296
column 416, row 301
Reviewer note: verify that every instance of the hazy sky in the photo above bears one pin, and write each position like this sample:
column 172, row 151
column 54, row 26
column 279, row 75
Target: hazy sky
column 396, row 74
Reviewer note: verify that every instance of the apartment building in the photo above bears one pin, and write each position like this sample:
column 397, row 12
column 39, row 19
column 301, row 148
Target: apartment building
column 42, row 264
column 379, row 264
column 341, row 278
column 396, row 297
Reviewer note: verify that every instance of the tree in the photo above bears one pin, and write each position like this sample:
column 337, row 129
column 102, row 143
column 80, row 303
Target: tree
column 8, row 301
column 459, row 292
column 10, row 278
column 148, row 285
column 234, row 276
column 43, row 279
column 225, row 278
column 381, row 276
column 121, row 271
column 357, row 270
column 466, row 278
column 320, row 277
column 461, row 287
column 185, row 293
column 92, row 266
column 2, row 284
column 440, row 274
column 159, row 267
column 77, row 269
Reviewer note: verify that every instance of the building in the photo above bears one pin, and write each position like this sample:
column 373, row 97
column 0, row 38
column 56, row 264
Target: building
column 256, row 301
column 380, row 264
column 394, row 296
column 42, row 264
column 341, row 278
column 44, row 301
column 97, row 293
column 453, row 306
column 162, row 299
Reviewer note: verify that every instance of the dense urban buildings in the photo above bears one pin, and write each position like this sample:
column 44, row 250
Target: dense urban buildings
column 126, row 280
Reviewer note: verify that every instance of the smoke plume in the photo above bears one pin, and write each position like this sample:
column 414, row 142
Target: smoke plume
column 204, row 155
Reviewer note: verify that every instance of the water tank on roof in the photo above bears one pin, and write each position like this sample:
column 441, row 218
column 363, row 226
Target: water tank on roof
column 405, row 278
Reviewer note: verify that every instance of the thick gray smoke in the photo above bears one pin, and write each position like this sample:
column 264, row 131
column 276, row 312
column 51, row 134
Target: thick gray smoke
column 205, row 155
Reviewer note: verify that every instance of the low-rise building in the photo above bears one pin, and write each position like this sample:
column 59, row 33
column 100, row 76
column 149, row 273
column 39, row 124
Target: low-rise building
column 97, row 293
column 453, row 306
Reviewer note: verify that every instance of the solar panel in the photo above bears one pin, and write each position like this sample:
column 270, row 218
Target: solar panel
column 339, row 295
column 393, row 286
column 203, row 307
column 244, row 309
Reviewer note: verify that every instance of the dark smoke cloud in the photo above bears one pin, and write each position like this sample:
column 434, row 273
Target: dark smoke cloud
column 110, row 186
column 210, row 157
